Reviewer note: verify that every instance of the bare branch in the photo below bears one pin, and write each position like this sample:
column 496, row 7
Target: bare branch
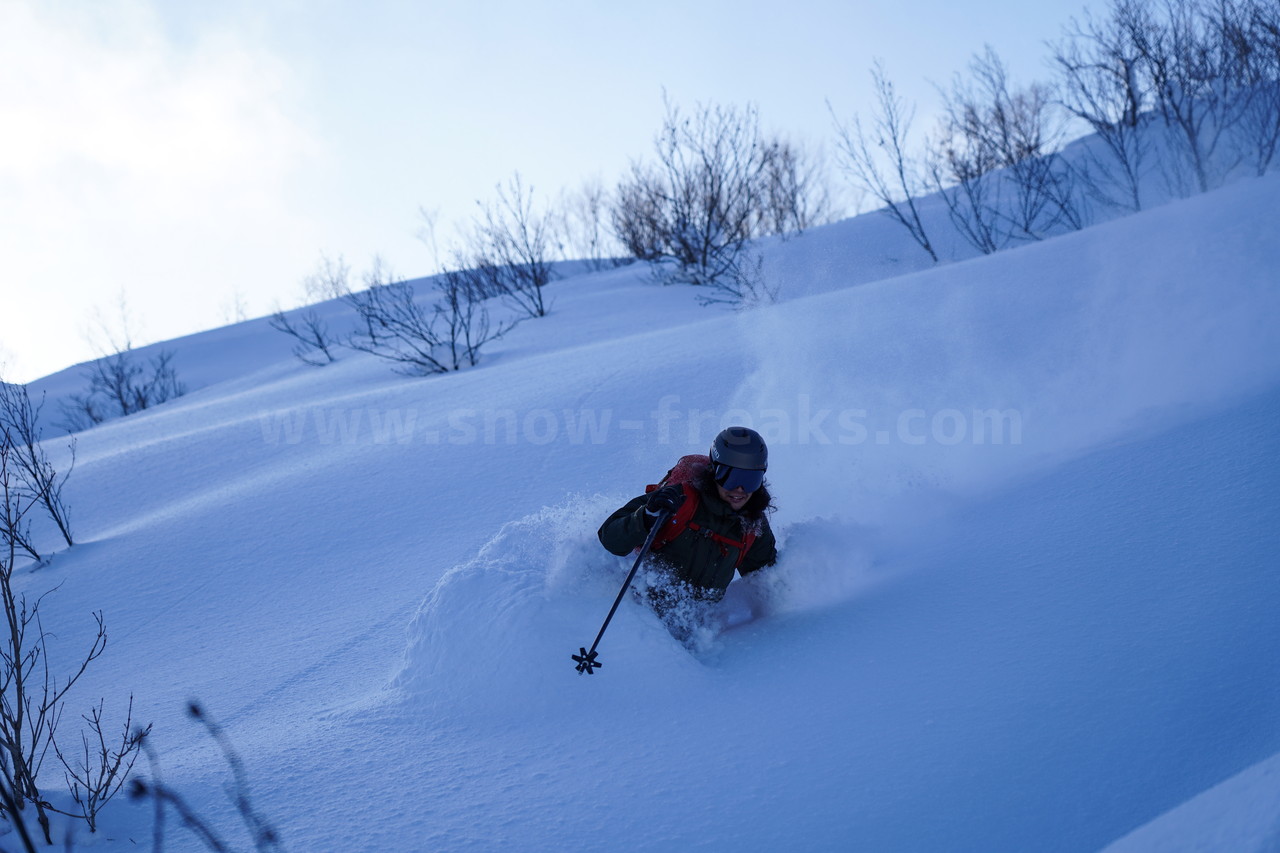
column 1105, row 85
column 395, row 326
column 314, row 344
column 691, row 212
column 101, row 770
column 510, row 247
column 900, row 190
column 37, row 476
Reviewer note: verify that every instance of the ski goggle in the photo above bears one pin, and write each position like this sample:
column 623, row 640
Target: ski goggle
column 731, row 478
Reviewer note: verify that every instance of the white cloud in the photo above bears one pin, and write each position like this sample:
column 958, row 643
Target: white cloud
column 130, row 162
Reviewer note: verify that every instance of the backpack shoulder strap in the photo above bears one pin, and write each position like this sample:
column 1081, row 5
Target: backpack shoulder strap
column 680, row 521
column 747, row 541
column 683, row 473
column 683, row 520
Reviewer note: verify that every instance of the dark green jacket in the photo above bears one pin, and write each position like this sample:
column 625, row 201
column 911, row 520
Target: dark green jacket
column 695, row 558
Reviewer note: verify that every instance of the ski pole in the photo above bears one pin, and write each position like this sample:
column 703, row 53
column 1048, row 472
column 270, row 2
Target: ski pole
column 586, row 660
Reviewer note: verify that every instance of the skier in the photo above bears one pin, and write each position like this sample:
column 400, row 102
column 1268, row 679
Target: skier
column 718, row 524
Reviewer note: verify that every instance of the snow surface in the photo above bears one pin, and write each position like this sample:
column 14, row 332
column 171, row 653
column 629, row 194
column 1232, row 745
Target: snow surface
column 1052, row 636
column 1239, row 814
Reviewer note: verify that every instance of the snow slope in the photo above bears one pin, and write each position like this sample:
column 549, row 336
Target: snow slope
column 1238, row 814
column 1025, row 599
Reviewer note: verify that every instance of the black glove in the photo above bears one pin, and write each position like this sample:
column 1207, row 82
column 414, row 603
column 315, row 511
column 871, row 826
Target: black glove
column 667, row 499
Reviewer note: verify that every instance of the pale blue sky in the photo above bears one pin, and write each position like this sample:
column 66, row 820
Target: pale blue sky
column 196, row 156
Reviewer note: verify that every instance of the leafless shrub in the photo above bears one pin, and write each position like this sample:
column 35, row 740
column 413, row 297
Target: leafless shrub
column 1195, row 80
column 1209, row 70
column 510, row 248
column 794, row 193
column 465, row 318
column 427, row 235
column 583, row 227
column 81, row 411
column 638, row 215
column 893, row 177
column 108, row 769
column 1252, row 29
column 957, row 170
column 314, row 343
column 331, row 279
column 989, row 127
column 715, row 183
column 36, row 476
column 1104, row 83
column 746, row 286
column 98, row 773
column 235, row 308
column 122, row 384
column 132, row 387
column 31, row 696
column 394, row 325
column 424, row 339
column 12, row 807
column 691, row 212
column 15, row 526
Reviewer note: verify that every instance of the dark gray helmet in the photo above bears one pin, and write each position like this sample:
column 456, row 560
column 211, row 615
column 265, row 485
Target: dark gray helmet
column 739, row 447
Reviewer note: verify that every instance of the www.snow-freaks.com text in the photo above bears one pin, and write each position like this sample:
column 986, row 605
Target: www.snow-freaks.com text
column 668, row 423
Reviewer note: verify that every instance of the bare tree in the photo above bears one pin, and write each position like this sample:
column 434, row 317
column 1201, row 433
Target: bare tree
column 129, row 386
column 107, row 769
column 1252, row 29
column 584, row 228
column 794, row 194
column 15, row 526
column 1104, row 84
column 899, row 185
column 427, row 234
column 510, row 245
column 424, row 338
column 1193, row 76
column 120, row 382
column 235, row 308
column 11, row 807
column 1015, row 132
column 394, row 325
column 958, row 169
column 746, row 286
column 314, row 343
column 331, row 279
column 639, row 216
column 31, row 696
column 98, row 773
column 997, row 167
column 691, row 212
column 36, row 475
column 464, row 317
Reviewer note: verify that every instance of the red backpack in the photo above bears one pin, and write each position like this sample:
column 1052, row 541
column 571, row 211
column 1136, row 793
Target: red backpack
column 686, row 470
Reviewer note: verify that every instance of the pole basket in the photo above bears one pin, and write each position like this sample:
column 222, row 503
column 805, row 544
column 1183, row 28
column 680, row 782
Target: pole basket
column 586, row 661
